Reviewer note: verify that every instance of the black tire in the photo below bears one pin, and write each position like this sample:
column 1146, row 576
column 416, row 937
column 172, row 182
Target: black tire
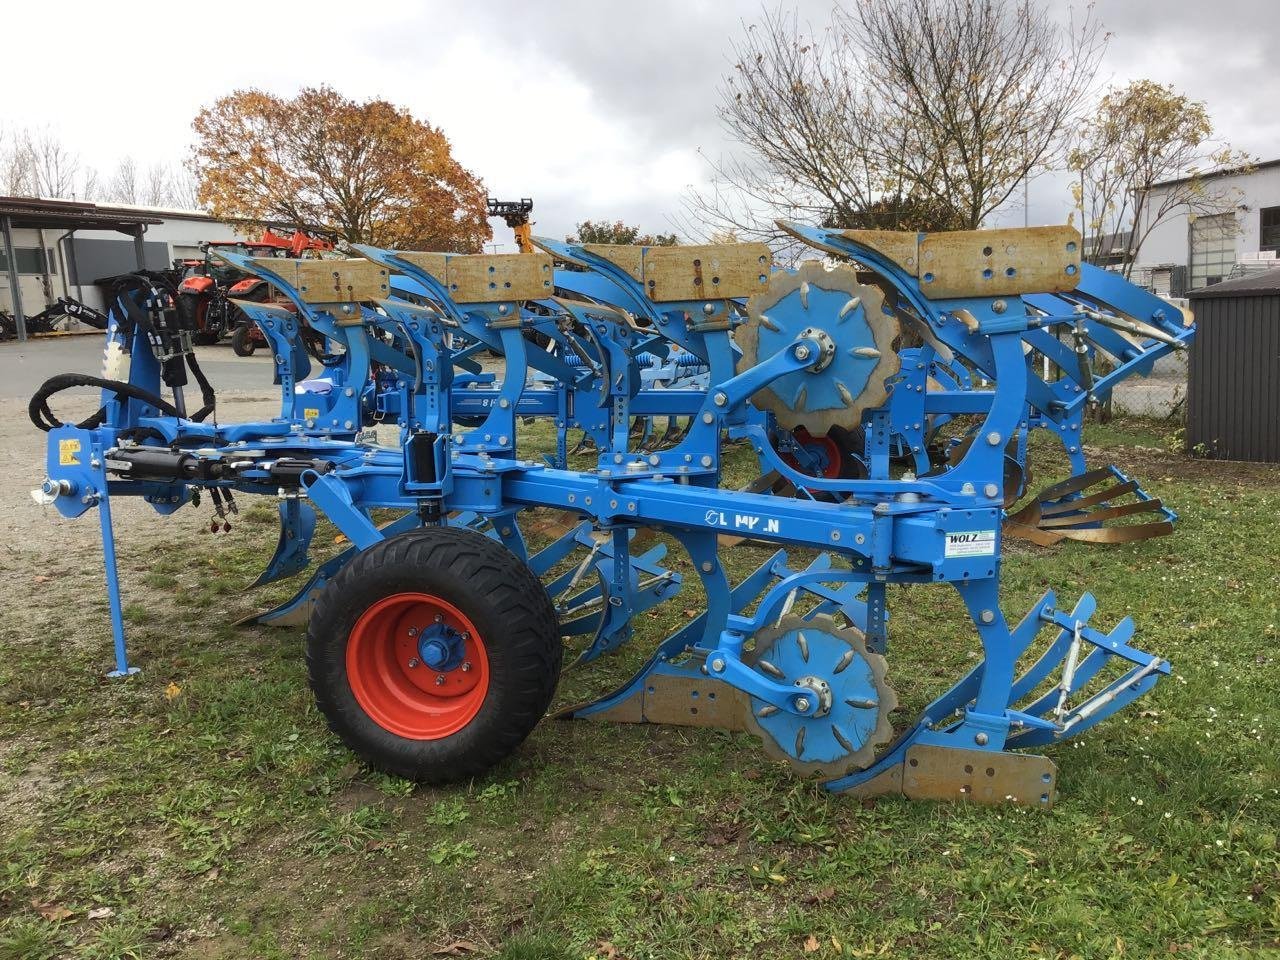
column 511, row 612
column 242, row 341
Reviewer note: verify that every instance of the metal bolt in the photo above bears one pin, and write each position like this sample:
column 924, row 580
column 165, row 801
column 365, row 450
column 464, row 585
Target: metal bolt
column 707, row 566
column 413, row 631
column 439, row 679
column 991, row 490
column 980, row 739
column 999, row 306
column 708, row 417
column 439, row 618
column 717, row 664
column 720, row 399
column 413, row 661
column 707, row 461
column 988, row 616
column 466, row 666
column 802, row 352
column 802, row 704
column 993, row 438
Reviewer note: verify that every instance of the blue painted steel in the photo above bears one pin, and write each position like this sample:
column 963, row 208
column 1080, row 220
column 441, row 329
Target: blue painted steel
column 411, row 361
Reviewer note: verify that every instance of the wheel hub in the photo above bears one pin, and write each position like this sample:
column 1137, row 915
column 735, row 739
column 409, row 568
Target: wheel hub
column 420, row 683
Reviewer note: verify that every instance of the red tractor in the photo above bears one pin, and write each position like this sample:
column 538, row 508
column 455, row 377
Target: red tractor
column 208, row 286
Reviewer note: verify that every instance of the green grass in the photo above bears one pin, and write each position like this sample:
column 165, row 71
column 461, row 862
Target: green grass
column 226, row 822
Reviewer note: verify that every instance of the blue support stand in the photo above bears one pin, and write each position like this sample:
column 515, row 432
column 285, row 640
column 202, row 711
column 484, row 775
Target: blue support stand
column 113, row 591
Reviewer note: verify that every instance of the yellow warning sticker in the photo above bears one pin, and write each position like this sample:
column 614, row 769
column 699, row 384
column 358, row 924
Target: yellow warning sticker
column 311, row 413
column 69, row 453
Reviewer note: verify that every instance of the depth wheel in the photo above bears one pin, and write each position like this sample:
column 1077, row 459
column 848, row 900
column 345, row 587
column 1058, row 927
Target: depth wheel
column 434, row 654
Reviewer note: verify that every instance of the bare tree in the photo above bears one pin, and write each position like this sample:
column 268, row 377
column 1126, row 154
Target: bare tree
column 907, row 114
column 54, row 168
column 15, row 164
column 123, row 186
column 1142, row 135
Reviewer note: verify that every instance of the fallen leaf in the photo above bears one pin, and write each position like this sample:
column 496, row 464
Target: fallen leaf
column 172, row 691
column 101, row 913
column 456, row 949
column 52, row 911
column 811, row 944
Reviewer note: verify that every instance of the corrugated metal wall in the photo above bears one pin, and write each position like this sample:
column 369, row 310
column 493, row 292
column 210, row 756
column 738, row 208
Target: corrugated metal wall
column 1233, row 399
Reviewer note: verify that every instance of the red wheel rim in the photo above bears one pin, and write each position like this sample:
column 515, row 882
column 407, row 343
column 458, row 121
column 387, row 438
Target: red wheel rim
column 826, row 447
column 393, row 681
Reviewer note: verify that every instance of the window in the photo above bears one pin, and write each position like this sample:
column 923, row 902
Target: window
column 1213, row 249
column 30, row 260
column 1269, row 229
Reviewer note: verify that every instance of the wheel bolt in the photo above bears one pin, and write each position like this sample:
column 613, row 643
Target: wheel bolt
column 439, row 618
column 413, row 661
column 466, row 665
column 439, row 679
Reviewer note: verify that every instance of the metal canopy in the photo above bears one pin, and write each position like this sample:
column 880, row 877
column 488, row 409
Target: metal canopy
column 36, row 213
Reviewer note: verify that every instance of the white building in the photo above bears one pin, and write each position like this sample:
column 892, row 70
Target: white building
column 1244, row 228
column 61, row 247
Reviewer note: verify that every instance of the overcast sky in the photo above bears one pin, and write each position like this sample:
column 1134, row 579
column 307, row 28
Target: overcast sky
column 597, row 110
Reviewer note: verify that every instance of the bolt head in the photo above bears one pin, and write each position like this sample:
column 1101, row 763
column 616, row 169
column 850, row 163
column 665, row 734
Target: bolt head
column 439, row 679
column 802, row 704
column 720, row 399
column 994, row 438
column 802, row 352
column 980, row 739
column 991, row 490
column 717, row 664
column 413, row 662
column 466, row 666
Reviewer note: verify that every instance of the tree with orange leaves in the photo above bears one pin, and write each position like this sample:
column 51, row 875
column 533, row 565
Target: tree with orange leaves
column 368, row 171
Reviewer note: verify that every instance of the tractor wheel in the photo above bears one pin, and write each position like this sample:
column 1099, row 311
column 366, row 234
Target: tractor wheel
column 434, row 653
column 242, row 341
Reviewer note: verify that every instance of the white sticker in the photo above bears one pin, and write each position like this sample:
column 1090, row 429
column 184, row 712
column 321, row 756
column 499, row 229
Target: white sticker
column 971, row 543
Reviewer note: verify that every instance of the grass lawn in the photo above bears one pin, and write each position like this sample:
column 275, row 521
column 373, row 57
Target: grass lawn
column 202, row 809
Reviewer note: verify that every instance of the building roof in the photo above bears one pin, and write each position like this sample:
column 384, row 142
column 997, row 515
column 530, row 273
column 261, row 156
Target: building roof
column 37, row 212
column 1225, row 172
column 1266, row 283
